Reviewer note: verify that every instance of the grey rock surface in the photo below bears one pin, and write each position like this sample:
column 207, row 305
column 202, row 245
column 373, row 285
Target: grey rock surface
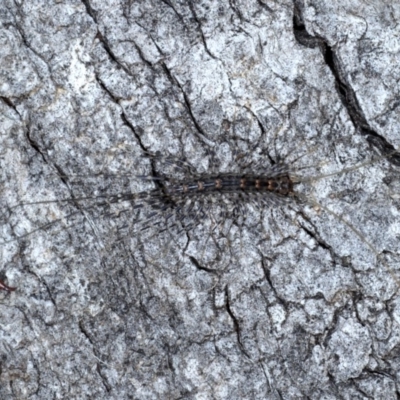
column 285, row 301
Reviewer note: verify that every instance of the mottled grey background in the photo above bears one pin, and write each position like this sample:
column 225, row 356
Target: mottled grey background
column 287, row 303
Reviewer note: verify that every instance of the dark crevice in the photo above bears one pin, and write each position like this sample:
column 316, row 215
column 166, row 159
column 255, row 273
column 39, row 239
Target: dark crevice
column 193, row 11
column 44, row 283
column 150, row 36
column 343, row 88
column 201, row 267
column 64, row 179
column 18, row 27
column 98, row 368
column 9, row 103
column 235, row 321
column 30, row 140
column 263, row 5
column 105, row 88
column 299, row 29
column 237, row 11
column 320, row 242
column 34, row 145
column 203, row 136
column 89, row 10
column 103, row 379
column 110, row 53
column 168, row 73
column 267, row 275
column 263, row 135
column 141, row 55
column 154, row 173
column 132, row 128
column 23, row 311
column 189, row 109
column 35, row 363
column 380, row 373
column 363, row 393
column 265, row 375
column 169, row 4
column 123, row 116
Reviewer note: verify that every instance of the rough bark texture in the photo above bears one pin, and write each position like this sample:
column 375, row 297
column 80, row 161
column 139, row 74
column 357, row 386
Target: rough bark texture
column 293, row 301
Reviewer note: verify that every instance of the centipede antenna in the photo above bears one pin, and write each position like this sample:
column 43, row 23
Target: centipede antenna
column 346, row 170
column 313, row 202
column 171, row 160
column 42, row 228
column 336, row 173
column 111, row 199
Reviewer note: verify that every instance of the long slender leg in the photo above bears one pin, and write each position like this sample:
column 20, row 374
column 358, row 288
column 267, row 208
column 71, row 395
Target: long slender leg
column 3, row 286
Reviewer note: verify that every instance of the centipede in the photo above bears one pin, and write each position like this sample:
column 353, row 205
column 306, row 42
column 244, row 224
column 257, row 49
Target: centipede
column 182, row 203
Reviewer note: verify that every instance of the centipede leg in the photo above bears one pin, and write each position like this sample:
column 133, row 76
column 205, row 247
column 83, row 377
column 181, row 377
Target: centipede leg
column 3, row 286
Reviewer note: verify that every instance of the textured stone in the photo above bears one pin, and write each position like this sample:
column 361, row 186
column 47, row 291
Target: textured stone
column 293, row 301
